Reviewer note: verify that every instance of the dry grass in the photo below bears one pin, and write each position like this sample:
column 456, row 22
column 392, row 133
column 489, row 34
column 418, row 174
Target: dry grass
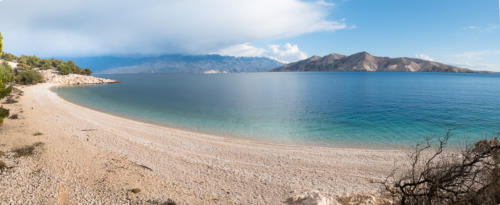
column 135, row 190
column 2, row 165
column 168, row 202
column 28, row 150
column 10, row 101
column 14, row 117
column 357, row 198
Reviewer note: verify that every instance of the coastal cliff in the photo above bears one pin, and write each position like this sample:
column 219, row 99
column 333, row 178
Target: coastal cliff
column 363, row 61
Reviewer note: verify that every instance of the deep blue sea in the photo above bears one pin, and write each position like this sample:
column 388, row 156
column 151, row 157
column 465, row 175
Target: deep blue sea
column 326, row 108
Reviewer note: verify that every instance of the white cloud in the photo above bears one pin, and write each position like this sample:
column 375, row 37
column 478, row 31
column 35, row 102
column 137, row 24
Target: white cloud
column 325, row 3
column 96, row 27
column 424, row 57
column 244, row 49
column 486, row 28
column 287, row 52
column 284, row 53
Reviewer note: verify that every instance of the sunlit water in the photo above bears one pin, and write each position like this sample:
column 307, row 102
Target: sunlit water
column 333, row 108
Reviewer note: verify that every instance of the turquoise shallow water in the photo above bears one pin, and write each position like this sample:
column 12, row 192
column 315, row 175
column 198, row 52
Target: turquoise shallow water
column 334, row 108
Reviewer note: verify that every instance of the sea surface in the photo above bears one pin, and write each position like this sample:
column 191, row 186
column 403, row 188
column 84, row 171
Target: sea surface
column 320, row 108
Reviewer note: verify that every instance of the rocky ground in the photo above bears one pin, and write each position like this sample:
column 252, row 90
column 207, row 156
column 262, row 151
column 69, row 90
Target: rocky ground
column 52, row 76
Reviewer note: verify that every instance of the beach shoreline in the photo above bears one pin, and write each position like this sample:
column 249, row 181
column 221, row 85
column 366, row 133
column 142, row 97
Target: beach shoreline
column 329, row 144
column 191, row 167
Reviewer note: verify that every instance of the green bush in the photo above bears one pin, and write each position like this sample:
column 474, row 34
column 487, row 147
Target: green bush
column 23, row 66
column 8, row 56
column 1, row 43
column 69, row 67
column 87, row 71
column 27, row 77
column 45, row 64
column 56, row 62
column 6, row 73
column 3, row 114
column 32, row 61
column 6, row 76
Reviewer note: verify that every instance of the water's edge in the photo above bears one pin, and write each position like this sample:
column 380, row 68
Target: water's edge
column 330, row 144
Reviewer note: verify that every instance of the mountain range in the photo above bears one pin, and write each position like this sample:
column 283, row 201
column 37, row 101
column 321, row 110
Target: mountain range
column 363, row 61
column 177, row 63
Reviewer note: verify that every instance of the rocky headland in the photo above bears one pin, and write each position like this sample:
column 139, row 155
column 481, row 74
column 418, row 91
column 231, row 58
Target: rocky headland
column 363, row 61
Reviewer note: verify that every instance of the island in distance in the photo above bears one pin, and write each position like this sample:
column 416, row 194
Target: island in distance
column 363, row 61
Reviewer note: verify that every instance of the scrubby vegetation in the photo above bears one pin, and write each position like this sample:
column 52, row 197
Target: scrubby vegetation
column 439, row 176
column 6, row 76
column 27, row 70
column 32, row 62
column 2, row 165
column 27, row 150
column 68, row 67
column 28, row 77
column 135, row 190
column 1, row 43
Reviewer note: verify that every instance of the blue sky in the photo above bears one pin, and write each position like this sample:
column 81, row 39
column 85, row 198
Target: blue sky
column 459, row 32
column 464, row 32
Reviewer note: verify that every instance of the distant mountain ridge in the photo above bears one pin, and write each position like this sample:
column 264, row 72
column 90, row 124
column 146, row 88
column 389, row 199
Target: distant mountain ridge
column 363, row 61
column 178, row 63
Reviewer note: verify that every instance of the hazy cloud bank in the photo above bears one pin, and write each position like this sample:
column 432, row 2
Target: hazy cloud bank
column 283, row 53
column 96, row 27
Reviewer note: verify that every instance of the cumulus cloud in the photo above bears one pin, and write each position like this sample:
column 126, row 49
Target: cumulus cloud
column 283, row 53
column 424, row 57
column 97, row 27
column 287, row 52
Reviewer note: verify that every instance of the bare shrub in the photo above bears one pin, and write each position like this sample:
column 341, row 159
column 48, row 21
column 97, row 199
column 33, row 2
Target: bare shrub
column 14, row 117
column 437, row 176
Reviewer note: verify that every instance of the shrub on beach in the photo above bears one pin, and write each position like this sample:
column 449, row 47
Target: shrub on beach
column 3, row 114
column 28, row 77
column 436, row 176
column 6, row 73
column 27, row 150
column 6, row 76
